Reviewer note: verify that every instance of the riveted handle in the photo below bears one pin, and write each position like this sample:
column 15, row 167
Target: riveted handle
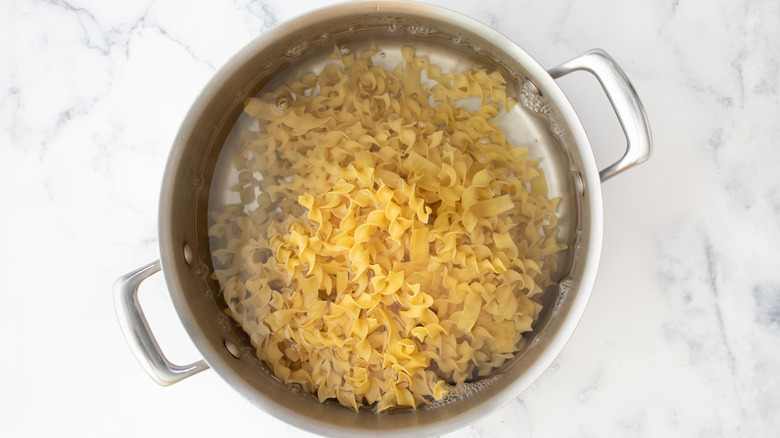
column 625, row 101
column 138, row 334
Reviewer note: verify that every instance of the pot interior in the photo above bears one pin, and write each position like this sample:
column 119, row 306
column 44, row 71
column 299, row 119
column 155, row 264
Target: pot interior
column 200, row 175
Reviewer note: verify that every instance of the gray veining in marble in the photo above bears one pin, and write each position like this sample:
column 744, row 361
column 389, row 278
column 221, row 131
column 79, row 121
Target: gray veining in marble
column 680, row 338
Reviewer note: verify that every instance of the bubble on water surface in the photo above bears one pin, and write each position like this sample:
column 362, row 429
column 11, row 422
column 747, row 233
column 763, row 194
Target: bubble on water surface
column 282, row 102
column 344, row 50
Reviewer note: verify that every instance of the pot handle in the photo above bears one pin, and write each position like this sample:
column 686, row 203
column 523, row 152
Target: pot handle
column 138, row 334
column 625, row 102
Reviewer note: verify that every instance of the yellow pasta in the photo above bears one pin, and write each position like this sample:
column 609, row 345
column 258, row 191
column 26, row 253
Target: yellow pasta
column 400, row 242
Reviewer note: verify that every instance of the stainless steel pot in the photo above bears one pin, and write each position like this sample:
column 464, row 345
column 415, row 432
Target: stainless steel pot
column 545, row 121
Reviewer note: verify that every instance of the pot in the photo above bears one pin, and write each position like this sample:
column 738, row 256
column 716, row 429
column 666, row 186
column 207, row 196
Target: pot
column 545, row 119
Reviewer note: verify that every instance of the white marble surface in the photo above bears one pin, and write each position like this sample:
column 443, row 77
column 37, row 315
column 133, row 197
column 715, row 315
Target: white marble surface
column 682, row 332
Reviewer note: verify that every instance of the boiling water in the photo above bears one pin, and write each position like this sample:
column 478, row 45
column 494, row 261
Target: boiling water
column 529, row 124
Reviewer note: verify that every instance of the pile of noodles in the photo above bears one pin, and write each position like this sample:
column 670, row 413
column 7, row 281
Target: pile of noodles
column 388, row 242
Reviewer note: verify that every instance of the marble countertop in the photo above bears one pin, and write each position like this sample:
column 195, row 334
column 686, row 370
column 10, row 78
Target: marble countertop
column 680, row 337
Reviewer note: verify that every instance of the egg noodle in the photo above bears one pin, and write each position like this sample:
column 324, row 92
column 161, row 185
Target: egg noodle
column 388, row 242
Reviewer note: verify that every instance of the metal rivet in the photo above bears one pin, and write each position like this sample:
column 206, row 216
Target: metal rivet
column 232, row 349
column 579, row 184
column 189, row 256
